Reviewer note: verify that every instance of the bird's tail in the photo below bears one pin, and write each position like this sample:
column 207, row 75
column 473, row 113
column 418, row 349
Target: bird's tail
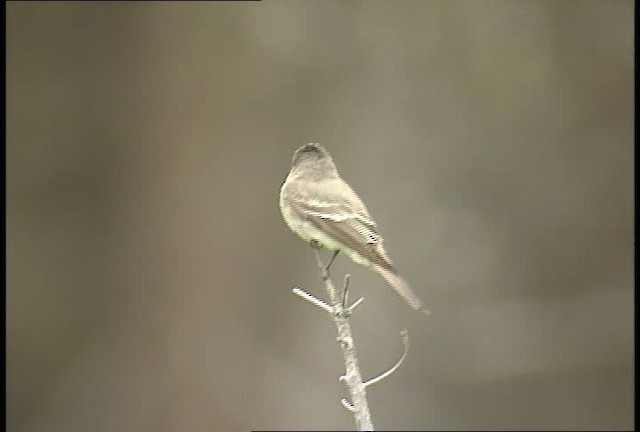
column 402, row 287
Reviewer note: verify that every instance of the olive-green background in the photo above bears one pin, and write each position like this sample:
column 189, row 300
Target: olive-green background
column 150, row 273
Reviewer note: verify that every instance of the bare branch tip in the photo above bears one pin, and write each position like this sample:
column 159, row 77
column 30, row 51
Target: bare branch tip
column 347, row 405
column 312, row 299
column 404, row 334
column 345, row 293
column 351, row 308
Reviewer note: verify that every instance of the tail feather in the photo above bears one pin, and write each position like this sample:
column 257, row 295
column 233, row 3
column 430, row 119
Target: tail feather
column 402, row 287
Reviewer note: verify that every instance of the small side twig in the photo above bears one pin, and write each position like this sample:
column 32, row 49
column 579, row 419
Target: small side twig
column 312, row 299
column 405, row 343
column 345, row 291
column 354, row 305
column 347, row 405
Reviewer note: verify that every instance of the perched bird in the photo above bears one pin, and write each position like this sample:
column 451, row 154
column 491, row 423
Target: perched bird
column 319, row 206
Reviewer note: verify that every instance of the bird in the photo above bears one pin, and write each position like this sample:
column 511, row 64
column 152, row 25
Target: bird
column 322, row 209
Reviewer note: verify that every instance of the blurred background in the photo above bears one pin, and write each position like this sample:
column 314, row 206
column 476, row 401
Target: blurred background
column 150, row 273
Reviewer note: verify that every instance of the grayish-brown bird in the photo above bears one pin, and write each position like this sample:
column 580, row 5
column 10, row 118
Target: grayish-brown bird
column 318, row 205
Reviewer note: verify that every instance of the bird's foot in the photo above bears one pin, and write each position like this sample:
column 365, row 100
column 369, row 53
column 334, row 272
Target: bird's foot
column 315, row 244
column 333, row 257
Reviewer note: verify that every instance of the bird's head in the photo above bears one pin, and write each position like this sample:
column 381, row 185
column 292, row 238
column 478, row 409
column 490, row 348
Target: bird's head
column 314, row 160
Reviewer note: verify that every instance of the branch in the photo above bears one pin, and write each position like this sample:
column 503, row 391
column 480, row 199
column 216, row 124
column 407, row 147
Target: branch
column 340, row 313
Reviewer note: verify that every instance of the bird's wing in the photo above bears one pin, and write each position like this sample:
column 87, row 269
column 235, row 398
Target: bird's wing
column 343, row 217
